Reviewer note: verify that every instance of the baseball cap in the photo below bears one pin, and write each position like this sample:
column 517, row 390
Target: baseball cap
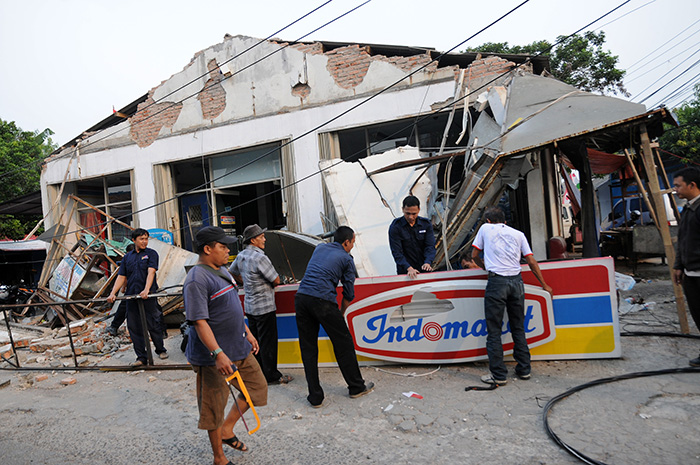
column 210, row 234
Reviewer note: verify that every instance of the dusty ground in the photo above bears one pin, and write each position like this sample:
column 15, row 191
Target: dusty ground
column 150, row 416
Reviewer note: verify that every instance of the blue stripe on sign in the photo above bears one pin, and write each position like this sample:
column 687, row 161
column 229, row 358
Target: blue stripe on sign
column 582, row 310
column 287, row 327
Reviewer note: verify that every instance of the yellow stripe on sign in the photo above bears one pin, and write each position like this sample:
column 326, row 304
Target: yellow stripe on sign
column 288, row 353
column 580, row 340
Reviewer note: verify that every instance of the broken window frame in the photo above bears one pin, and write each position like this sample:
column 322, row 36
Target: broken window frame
column 111, row 208
column 169, row 214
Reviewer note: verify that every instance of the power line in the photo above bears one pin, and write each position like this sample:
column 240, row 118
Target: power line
column 669, row 82
column 173, row 104
column 622, row 16
column 376, row 94
column 399, row 130
column 666, row 74
column 361, row 103
column 660, row 64
column 680, row 89
column 662, row 45
column 155, row 101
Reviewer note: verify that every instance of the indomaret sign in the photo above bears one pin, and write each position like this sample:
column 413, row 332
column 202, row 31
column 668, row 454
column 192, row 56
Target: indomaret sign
column 437, row 322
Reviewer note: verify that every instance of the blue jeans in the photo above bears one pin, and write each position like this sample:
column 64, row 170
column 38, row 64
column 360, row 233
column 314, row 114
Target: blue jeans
column 506, row 293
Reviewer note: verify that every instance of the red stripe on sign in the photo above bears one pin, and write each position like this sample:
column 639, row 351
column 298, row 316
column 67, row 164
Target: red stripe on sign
column 575, row 280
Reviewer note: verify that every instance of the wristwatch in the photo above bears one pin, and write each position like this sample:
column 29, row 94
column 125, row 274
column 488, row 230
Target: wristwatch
column 216, row 352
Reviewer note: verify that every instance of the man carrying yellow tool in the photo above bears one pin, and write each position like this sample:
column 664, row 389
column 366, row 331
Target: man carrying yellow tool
column 220, row 343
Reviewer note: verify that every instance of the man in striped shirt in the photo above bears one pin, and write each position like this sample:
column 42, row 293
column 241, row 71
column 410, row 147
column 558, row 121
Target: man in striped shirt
column 254, row 270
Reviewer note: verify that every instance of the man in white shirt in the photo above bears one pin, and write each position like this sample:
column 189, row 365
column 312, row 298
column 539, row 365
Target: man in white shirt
column 503, row 247
column 686, row 269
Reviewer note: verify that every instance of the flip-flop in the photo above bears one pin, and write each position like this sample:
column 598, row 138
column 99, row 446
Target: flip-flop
column 235, row 443
column 283, row 380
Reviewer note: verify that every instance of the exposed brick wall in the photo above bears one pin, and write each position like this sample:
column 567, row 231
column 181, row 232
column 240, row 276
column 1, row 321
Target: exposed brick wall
column 301, row 90
column 349, row 65
column 145, row 127
column 408, row 64
column 488, row 67
column 314, row 49
column 213, row 96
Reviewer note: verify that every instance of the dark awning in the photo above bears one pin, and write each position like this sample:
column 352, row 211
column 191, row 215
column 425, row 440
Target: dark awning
column 28, row 205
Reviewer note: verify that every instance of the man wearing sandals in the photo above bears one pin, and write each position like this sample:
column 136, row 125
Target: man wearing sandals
column 254, row 270
column 219, row 342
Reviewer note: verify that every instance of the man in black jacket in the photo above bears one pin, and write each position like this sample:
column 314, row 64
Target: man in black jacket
column 686, row 270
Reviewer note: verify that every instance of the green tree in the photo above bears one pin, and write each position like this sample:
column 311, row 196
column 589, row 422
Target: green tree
column 21, row 155
column 579, row 60
column 684, row 140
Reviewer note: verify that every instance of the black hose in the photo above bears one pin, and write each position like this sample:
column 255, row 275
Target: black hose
column 579, row 455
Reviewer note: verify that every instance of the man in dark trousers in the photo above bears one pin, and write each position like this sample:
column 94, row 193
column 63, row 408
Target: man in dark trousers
column 503, row 247
column 412, row 240
column 138, row 271
column 316, row 303
column 219, row 342
column 686, row 269
column 254, row 270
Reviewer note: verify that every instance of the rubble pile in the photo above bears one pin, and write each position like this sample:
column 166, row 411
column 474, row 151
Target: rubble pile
column 51, row 348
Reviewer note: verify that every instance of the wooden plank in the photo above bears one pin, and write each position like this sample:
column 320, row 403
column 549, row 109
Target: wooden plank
column 654, row 188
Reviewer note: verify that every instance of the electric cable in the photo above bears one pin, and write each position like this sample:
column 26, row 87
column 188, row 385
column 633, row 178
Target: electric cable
column 690, row 84
column 661, row 64
column 376, row 94
column 648, row 55
column 669, row 82
column 213, row 84
column 548, row 406
column 623, row 15
column 259, row 42
column 680, row 98
column 364, row 101
column 691, row 80
column 665, row 74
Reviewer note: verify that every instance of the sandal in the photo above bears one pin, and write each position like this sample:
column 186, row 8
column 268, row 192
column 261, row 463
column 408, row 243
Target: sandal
column 235, row 443
column 283, row 380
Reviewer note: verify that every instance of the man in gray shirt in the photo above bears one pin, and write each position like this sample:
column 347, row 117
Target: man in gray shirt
column 254, row 270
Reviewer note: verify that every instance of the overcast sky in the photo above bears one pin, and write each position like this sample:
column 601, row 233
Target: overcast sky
column 65, row 63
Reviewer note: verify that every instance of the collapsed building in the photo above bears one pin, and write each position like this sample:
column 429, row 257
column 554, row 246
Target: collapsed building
column 305, row 136
column 302, row 137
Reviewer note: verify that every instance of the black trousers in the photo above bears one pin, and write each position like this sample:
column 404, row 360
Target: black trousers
column 120, row 316
column 691, row 288
column 311, row 313
column 133, row 322
column 264, row 329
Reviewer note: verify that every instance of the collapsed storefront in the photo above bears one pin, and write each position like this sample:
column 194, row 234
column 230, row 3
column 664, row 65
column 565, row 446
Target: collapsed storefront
column 462, row 132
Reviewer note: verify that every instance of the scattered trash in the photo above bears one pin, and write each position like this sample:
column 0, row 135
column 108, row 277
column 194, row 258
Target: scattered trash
column 624, row 282
column 412, row 394
column 631, row 305
column 297, row 416
column 68, row 381
column 388, row 407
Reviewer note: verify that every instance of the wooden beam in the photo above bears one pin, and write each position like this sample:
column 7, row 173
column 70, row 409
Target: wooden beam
column 662, row 224
column 641, row 189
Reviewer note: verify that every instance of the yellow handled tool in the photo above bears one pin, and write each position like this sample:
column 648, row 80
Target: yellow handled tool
column 237, row 374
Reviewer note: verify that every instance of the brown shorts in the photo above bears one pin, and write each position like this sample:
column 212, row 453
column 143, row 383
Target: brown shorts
column 213, row 393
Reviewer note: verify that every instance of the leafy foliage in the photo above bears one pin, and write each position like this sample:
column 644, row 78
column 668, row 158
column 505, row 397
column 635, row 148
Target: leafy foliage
column 21, row 154
column 684, row 140
column 579, row 61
